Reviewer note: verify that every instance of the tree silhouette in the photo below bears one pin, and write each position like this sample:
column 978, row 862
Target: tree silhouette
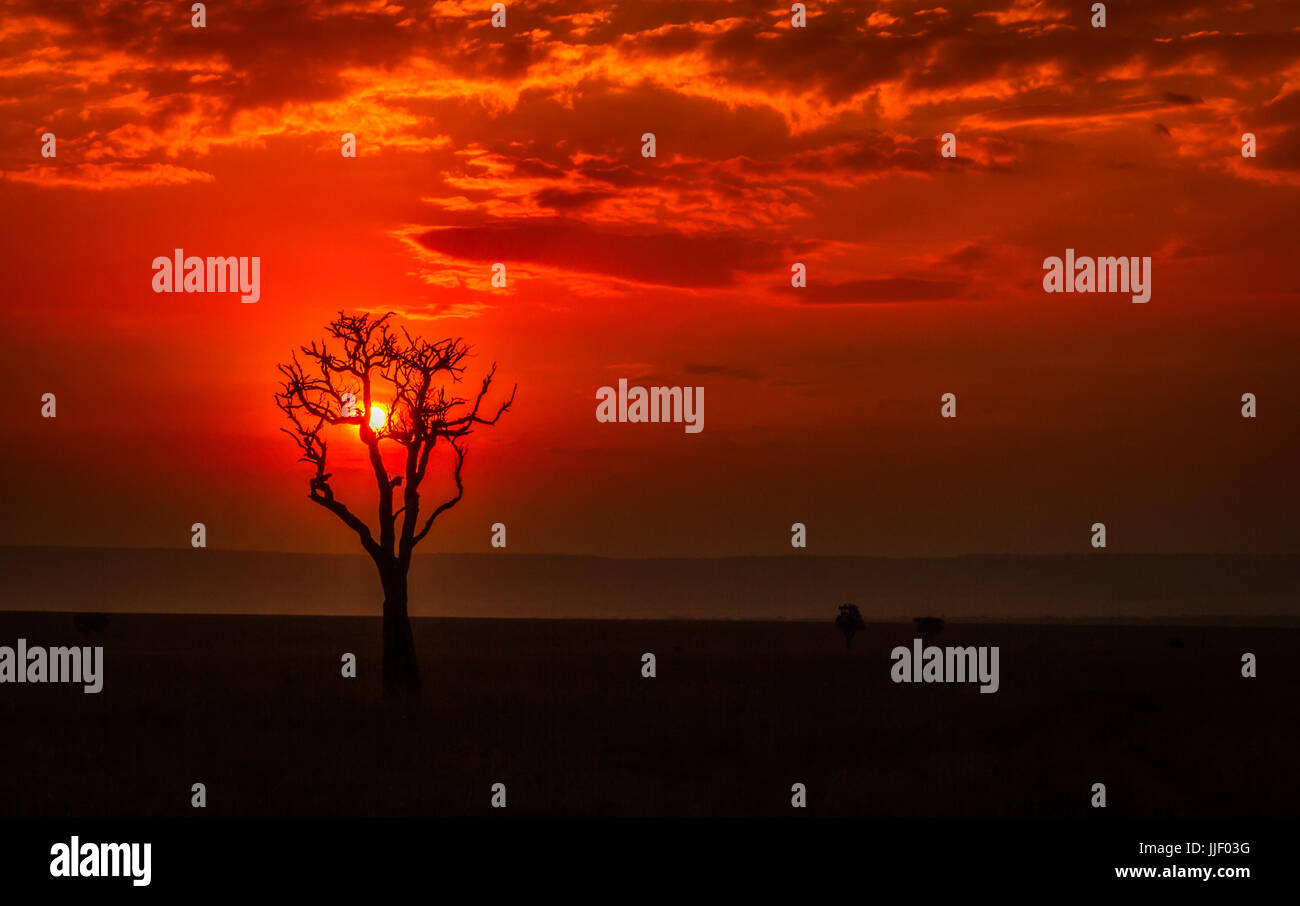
column 849, row 622
column 88, row 623
column 928, row 627
column 372, row 364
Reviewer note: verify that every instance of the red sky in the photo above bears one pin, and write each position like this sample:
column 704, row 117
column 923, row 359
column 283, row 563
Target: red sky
column 775, row 145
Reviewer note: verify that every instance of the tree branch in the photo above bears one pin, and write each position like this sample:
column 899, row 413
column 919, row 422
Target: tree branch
column 424, row 410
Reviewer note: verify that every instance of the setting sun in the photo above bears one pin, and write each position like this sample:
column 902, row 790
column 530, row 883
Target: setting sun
column 377, row 418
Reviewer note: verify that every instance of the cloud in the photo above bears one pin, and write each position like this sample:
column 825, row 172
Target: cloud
column 660, row 258
column 522, row 145
column 566, row 200
column 880, row 291
column 102, row 177
column 151, row 88
column 726, row 371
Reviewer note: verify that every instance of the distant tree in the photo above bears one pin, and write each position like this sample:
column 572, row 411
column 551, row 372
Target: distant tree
column 849, row 622
column 928, row 627
column 87, row 623
column 400, row 392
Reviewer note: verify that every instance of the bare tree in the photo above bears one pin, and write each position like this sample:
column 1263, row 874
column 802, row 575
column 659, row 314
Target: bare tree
column 371, row 364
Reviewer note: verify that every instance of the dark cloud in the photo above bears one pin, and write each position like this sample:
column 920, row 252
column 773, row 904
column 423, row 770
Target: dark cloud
column 661, row 258
column 880, row 290
column 968, row 256
column 616, row 175
column 531, row 166
column 728, row 371
column 566, row 200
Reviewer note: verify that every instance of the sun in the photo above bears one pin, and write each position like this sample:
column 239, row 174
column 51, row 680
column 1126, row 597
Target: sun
column 378, row 418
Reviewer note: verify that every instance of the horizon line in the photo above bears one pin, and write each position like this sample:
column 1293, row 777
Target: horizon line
column 804, row 555
column 1212, row 621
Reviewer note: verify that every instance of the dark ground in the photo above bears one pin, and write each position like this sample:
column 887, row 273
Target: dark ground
column 256, row 708
column 1110, row 587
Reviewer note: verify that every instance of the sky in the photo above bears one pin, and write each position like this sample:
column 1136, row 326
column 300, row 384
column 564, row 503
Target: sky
column 774, row 145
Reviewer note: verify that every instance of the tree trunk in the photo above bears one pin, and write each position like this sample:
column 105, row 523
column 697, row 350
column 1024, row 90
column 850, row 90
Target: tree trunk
column 401, row 672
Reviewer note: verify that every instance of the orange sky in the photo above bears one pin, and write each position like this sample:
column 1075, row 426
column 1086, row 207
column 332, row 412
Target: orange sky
column 775, row 145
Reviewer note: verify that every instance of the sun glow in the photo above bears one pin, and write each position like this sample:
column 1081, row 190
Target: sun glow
column 378, row 418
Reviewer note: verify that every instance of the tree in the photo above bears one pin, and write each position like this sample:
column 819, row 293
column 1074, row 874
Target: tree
column 849, row 622
column 88, row 623
column 928, row 627
column 371, row 366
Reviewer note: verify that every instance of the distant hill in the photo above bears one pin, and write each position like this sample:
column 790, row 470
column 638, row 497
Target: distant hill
column 1235, row 588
